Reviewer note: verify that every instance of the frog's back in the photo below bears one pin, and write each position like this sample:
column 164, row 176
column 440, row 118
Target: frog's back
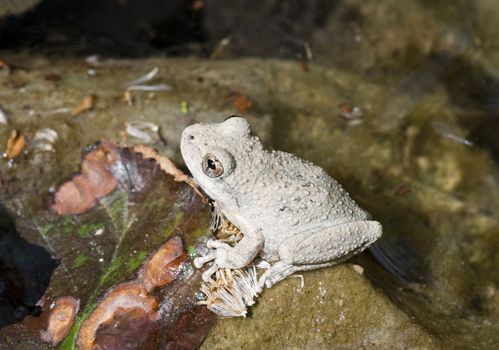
column 311, row 191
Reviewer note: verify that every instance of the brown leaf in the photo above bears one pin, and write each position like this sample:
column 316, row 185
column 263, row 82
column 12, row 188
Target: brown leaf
column 191, row 329
column 61, row 318
column 53, row 77
column 168, row 167
column 15, row 144
column 4, row 68
column 128, row 329
column 128, row 298
column 165, row 265
column 403, row 190
column 242, row 103
column 87, row 103
column 96, row 181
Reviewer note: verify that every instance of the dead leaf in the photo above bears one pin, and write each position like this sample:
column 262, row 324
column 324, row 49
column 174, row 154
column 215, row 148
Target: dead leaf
column 191, row 329
column 242, row 103
column 15, row 144
column 128, row 329
column 86, row 104
column 128, row 297
column 102, row 251
column 96, row 181
column 128, row 98
column 4, row 68
column 61, row 318
column 169, row 167
column 164, row 266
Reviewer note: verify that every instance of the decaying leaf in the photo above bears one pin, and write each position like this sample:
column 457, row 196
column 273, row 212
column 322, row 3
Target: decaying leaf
column 128, row 98
column 95, row 181
column 164, row 265
column 146, row 132
column 86, row 104
column 190, row 330
column 170, row 168
column 126, row 298
column 4, row 68
column 62, row 315
column 124, row 257
column 242, row 103
column 15, row 144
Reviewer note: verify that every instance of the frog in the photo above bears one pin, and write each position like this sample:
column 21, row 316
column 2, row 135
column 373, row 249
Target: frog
column 291, row 213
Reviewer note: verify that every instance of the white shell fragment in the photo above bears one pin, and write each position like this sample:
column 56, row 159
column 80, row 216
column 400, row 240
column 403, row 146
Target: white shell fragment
column 139, row 84
column 145, row 131
column 44, row 140
column 231, row 292
column 145, row 78
column 159, row 87
column 93, row 60
column 445, row 131
column 3, row 117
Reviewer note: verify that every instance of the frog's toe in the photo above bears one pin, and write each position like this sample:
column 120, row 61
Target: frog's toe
column 201, row 260
column 206, row 276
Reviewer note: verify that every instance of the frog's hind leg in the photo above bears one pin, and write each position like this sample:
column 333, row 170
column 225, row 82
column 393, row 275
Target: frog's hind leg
column 321, row 247
column 281, row 270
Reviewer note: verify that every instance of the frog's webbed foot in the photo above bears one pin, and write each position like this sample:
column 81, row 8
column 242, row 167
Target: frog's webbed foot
column 276, row 273
column 218, row 255
column 226, row 257
column 281, row 270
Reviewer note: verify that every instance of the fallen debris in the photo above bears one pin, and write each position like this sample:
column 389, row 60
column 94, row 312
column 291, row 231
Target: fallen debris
column 444, row 130
column 15, row 144
column 164, row 265
column 219, row 49
column 147, row 132
column 86, row 104
column 62, row 315
column 241, row 102
column 93, row 60
column 131, row 299
column 145, row 78
column 350, row 113
column 128, row 98
column 139, row 83
column 44, row 139
column 4, row 68
column 159, row 87
column 3, row 117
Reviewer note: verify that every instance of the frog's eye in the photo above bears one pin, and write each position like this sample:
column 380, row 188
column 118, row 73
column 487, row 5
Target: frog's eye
column 212, row 166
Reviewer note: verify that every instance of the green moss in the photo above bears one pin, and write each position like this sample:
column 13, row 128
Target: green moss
column 79, row 260
column 45, row 229
column 136, row 261
column 191, row 251
column 68, row 225
column 85, row 229
column 111, row 271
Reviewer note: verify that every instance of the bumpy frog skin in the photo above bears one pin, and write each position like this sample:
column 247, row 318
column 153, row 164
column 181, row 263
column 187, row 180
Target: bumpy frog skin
column 291, row 213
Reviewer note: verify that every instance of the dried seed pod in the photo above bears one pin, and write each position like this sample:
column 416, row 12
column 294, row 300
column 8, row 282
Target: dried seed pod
column 15, row 144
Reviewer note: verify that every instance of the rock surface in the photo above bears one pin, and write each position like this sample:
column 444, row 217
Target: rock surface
column 337, row 307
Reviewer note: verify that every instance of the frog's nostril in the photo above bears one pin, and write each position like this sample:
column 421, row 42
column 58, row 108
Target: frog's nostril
column 191, row 137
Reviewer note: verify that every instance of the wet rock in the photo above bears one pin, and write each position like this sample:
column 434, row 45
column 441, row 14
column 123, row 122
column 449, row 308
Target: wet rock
column 336, row 309
column 440, row 231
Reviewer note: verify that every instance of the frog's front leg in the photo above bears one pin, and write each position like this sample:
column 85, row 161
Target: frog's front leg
column 226, row 257
column 321, row 247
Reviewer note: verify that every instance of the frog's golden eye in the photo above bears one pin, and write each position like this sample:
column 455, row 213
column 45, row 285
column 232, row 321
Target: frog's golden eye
column 212, row 166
